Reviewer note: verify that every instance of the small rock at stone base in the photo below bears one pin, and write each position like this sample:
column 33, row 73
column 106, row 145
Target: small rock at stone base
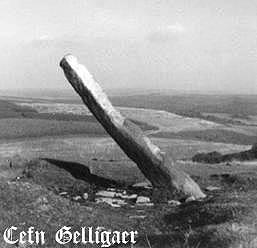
column 145, row 185
column 142, row 199
column 105, row 193
column 190, row 198
column 85, row 196
column 76, row 198
column 212, row 188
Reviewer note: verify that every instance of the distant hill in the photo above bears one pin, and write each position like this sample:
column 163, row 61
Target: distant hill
column 192, row 104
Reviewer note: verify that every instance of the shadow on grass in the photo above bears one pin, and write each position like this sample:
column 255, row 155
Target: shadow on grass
column 82, row 172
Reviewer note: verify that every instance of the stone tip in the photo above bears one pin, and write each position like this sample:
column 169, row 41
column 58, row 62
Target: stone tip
column 68, row 58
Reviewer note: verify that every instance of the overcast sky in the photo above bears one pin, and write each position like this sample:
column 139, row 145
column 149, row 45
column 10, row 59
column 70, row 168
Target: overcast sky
column 201, row 45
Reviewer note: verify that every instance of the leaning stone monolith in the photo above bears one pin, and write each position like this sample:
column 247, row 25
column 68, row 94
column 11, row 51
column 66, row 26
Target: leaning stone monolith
column 157, row 166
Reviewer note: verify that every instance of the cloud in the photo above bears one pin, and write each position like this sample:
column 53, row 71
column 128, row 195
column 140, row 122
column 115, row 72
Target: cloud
column 44, row 37
column 166, row 33
column 176, row 28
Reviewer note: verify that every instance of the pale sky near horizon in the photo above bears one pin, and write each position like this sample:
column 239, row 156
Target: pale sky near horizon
column 200, row 45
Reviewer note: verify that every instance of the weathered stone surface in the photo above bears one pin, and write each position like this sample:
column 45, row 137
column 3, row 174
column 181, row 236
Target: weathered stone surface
column 155, row 165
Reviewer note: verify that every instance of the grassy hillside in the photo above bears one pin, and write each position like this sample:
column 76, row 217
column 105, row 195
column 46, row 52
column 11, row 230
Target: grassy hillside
column 19, row 121
column 192, row 105
column 9, row 109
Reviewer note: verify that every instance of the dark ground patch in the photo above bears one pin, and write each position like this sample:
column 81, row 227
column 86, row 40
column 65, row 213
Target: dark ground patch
column 216, row 157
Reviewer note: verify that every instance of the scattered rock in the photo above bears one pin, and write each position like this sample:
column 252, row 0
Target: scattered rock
column 105, row 193
column 111, row 189
column 63, row 193
column 145, row 185
column 212, row 188
column 115, row 205
column 119, row 201
column 76, row 198
column 130, row 197
column 190, row 198
column 111, row 201
column 119, row 195
column 174, row 203
column 106, row 200
column 85, row 196
column 124, row 196
column 142, row 200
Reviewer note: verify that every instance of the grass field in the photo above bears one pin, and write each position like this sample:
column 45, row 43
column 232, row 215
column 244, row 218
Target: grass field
column 23, row 128
column 225, row 218
column 57, row 151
